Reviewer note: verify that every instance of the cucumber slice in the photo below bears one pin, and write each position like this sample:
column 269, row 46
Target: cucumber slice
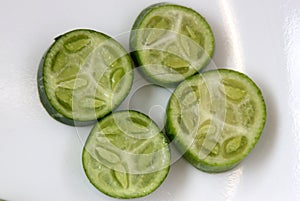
column 84, row 76
column 170, row 43
column 126, row 155
column 216, row 118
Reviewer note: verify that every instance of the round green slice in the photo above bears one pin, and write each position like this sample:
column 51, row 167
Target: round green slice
column 216, row 118
column 170, row 43
column 84, row 76
column 126, row 155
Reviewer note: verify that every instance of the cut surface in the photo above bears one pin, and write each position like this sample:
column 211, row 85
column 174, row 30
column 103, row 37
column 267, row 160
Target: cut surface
column 171, row 42
column 84, row 76
column 216, row 118
column 126, row 155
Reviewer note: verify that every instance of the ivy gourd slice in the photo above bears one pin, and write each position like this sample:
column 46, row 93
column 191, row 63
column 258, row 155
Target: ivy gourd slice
column 170, row 43
column 216, row 118
column 126, row 155
column 84, row 76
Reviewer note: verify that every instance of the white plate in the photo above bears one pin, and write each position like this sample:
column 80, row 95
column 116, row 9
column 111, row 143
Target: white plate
column 40, row 158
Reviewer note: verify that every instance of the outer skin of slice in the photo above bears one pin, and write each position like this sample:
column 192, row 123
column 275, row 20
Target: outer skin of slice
column 136, row 55
column 186, row 146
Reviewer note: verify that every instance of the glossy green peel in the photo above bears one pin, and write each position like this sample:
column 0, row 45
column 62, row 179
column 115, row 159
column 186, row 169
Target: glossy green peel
column 170, row 43
column 216, row 118
column 84, row 75
column 126, row 155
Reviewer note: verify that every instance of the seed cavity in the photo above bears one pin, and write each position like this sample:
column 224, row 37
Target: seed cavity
column 234, row 146
column 105, row 176
column 59, row 61
column 138, row 126
column 101, row 138
column 232, row 90
column 207, row 127
column 159, row 22
column 147, row 148
column 148, row 159
column 205, row 139
column 157, row 27
column 119, row 140
column 117, row 63
column 187, row 29
column 216, row 149
column 121, row 176
column 95, row 165
column 231, row 114
column 190, row 31
column 77, row 43
column 92, row 103
column 116, row 76
column 67, row 73
column 189, row 99
column 73, row 84
column 210, row 148
column 110, row 132
column 191, row 48
column 176, row 63
column 155, row 56
column 138, row 121
column 190, row 96
column 247, row 110
column 107, row 123
column 64, row 97
column 104, row 80
column 188, row 122
column 153, row 35
column 107, row 155
column 109, row 55
column 205, row 98
column 173, row 49
column 181, row 70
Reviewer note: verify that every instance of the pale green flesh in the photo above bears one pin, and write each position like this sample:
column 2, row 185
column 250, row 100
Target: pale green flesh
column 86, row 75
column 126, row 155
column 216, row 118
column 173, row 42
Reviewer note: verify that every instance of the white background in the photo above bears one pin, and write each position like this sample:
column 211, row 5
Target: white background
column 40, row 158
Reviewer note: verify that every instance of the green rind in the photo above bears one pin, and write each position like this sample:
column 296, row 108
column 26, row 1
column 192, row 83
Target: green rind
column 122, row 193
column 45, row 100
column 135, row 54
column 185, row 150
